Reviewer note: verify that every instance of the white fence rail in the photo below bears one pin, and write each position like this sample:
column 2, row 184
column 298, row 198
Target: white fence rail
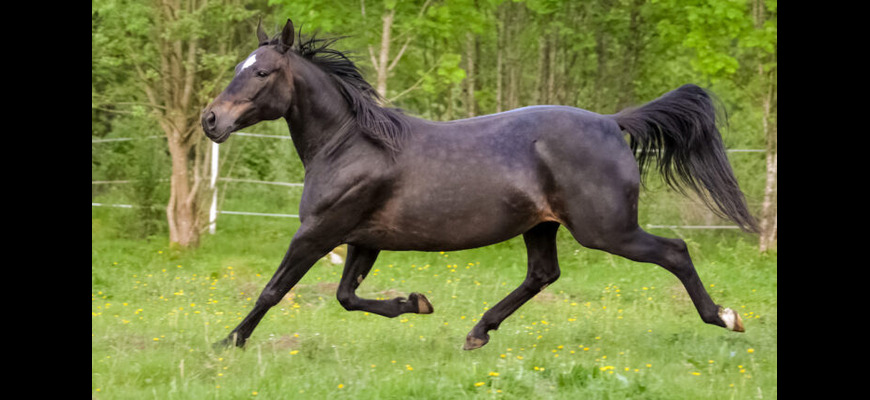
column 213, row 211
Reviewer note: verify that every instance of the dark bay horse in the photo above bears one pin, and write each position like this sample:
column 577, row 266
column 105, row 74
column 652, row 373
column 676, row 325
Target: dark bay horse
column 377, row 179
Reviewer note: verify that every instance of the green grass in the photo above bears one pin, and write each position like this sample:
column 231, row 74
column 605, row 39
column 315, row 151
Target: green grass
column 609, row 328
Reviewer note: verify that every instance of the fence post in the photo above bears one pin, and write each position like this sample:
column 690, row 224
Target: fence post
column 212, row 213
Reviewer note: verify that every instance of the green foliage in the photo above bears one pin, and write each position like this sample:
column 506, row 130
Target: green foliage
column 448, row 72
column 148, row 191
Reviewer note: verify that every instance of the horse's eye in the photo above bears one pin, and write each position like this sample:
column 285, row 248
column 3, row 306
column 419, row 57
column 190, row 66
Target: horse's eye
column 262, row 74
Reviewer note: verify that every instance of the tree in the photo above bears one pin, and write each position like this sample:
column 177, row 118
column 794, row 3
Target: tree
column 762, row 42
column 175, row 53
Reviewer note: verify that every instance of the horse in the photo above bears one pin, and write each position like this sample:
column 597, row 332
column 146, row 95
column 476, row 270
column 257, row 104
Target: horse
column 378, row 179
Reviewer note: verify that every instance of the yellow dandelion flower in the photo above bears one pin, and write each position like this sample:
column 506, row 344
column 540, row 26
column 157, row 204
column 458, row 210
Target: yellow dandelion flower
column 479, row 384
column 294, row 352
column 341, row 386
column 696, row 373
column 750, row 350
column 493, row 374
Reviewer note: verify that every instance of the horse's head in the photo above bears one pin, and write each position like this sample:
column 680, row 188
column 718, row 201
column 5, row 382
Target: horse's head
column 260, row 90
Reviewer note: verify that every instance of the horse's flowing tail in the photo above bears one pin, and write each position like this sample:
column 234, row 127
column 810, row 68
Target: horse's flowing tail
column 678, row 131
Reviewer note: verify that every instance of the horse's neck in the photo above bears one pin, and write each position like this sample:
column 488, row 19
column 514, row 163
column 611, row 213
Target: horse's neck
column 319, row 114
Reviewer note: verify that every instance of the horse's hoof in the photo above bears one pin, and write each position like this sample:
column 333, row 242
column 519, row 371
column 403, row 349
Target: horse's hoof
column 731, row 319
column 423, row 304
column 472, row 342
column 222, row 345
column 229, row 342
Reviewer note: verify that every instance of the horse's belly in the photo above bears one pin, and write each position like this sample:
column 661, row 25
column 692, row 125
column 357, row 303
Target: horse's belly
column 440, row 237
column 450, row 220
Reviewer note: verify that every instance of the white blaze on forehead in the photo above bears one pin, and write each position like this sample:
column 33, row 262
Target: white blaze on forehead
column 250, row 61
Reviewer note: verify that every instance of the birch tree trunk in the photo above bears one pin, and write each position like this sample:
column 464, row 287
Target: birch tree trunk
column 768, row 206
column 382, row 63
column 767, row 80
column 384, row 54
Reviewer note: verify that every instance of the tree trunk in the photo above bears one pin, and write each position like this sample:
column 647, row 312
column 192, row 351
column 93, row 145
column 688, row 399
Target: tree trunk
column 767, row 236
column 768, row 206
column 540, row 94
column 383, row 56
column 181, row 211
column 499, row 58
column 469, row 79
column 601, row 52
column 513, row 62
column 551, row 67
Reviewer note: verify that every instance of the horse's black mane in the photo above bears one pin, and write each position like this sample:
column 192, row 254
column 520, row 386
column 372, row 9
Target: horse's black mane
column 384, row 126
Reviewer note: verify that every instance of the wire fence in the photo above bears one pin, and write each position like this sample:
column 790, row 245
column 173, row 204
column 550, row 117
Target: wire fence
column 214, row 211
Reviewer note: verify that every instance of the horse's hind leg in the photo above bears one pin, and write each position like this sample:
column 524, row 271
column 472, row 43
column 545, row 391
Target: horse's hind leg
column 671, row 254
column 543, row 269
column 358, row 264
column 599, row 208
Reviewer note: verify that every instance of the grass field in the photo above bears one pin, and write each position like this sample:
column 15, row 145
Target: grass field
column 609, row 328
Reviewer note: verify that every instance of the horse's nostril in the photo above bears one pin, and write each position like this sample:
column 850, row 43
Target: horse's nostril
column 210, row 119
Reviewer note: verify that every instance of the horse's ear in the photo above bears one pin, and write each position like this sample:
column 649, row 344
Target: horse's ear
column 262, row 37
column 287, row 35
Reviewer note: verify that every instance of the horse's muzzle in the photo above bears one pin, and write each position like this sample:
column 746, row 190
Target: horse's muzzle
column 212, row 128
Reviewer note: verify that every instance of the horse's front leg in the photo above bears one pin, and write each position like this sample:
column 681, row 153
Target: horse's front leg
column 359, row 263
column 305, row 249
